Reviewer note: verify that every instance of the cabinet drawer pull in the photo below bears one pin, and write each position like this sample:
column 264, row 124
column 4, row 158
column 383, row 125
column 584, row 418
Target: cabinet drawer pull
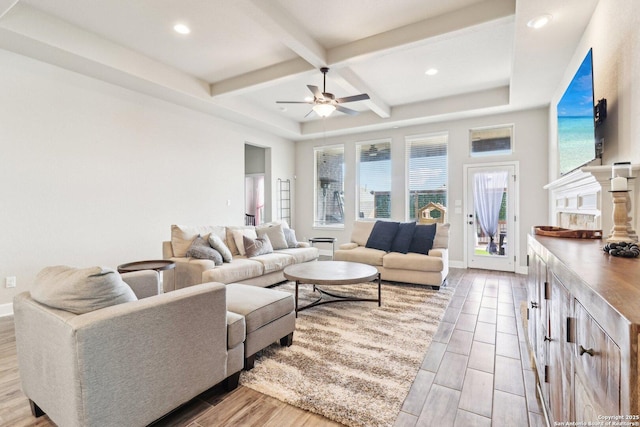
column 546, row 338
column 583, row 350
column 534, row 304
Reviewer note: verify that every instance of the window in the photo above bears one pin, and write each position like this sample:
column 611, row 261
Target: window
column 491, row 141
column 426, row 171
column 374, row 179
column 329, row 188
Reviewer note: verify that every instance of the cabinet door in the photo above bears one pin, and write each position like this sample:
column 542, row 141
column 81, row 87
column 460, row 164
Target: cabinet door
column 560, row 370
column 538, row 326
column 597, row 367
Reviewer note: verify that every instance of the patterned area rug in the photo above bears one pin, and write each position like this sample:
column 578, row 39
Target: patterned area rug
column 352, row 362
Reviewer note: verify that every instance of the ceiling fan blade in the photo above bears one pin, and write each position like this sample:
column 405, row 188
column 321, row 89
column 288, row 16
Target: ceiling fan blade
column 311, row 112
column 353, row 98
column 293, row 102
column 346, row 110
column 316, row 92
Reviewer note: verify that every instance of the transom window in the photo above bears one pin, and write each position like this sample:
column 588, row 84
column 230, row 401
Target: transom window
column 491, row 141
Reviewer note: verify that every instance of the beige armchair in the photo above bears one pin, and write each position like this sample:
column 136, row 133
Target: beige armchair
column 127, row 364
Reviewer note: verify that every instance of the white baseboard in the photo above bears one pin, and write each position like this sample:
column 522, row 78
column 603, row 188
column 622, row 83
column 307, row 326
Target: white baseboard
column 6, row 309
column 456, row 264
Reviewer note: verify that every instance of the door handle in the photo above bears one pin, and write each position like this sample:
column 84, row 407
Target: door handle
column 470, row 222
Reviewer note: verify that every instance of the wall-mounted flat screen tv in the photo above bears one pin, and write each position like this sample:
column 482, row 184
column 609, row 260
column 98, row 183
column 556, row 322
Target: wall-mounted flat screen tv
column 576, row 127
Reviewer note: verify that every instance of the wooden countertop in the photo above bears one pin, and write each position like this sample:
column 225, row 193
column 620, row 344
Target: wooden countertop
column 614, row 279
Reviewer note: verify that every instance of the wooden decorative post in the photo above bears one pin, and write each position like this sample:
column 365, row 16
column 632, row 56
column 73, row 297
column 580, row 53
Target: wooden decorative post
column 621, row 218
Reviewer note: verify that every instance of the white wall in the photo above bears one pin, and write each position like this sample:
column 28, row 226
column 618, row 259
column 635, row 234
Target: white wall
column 614, row 35
column 93, row 174
column 530, row 149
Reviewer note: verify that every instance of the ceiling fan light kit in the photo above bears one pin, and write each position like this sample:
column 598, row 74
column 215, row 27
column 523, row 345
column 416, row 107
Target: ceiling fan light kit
column 324, row 110
column 325, row 103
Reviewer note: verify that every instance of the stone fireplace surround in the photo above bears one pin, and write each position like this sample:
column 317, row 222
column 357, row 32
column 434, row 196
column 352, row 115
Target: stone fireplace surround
column 581, row 200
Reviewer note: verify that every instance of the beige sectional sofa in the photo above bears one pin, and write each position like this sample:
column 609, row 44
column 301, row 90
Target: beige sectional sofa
column 261, row 270
column 423, row 269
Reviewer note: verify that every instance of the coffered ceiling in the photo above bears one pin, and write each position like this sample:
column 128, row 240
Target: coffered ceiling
column 242, row 56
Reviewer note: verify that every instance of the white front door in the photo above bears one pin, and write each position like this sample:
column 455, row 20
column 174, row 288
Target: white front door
column 490, row 216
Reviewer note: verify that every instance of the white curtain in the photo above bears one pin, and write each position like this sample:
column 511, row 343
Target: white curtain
column 488, row 190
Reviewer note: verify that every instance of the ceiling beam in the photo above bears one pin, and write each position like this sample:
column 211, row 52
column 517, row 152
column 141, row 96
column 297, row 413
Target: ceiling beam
column 295, row 37
column 6, row 6
column 273, row 17
column 351, row 83
column 419, row 32
column 261, row 78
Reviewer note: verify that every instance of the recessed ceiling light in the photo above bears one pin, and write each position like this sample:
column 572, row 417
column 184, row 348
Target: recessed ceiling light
column 539, row 21
column 431, row 72
column 181, row 29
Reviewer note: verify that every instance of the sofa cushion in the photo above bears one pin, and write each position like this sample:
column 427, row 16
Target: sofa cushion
column 422, row 240
column 301, row 254
column 361, row 232
column 290, row 237
column 200, row 249
column 360, row 254
column 274, row 261
column 236, row 329
column 403, row 238
column 218, row 244
column 382, row 235
column 240, row 269
column 80, row 290
column 257, row 246
column 238, row 238
column 412, row 261
column 275, row 234
column 259, row 306
column 442, row 236
column 182, row 236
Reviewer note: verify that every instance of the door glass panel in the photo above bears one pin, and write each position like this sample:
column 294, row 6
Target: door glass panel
column 490, row 197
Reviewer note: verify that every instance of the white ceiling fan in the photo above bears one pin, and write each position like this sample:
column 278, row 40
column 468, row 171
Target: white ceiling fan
column 325, row 103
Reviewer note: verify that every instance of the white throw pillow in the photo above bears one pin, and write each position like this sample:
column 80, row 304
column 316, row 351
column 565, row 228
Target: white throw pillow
column 275, row 234
column 441, row 240
column 80, row 290
column 238, row 235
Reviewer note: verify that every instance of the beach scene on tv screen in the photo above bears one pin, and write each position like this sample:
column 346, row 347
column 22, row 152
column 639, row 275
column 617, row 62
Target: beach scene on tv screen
column 576, row 140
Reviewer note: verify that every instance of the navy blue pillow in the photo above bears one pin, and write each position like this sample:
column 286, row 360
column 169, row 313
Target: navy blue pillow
column 382, row 235
column 402, row 241
column 422, row 240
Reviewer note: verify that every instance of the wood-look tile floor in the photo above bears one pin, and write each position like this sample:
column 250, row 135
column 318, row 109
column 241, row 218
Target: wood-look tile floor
column 476, row 372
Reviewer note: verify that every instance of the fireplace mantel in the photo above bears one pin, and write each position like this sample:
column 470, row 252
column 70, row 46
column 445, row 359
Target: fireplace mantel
column 582, row 199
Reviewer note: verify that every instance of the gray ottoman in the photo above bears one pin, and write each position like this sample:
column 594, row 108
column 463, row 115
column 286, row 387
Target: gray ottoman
column 269, row 316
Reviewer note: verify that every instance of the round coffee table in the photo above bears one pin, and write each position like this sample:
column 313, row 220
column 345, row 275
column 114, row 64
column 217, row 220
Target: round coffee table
column 331, row 273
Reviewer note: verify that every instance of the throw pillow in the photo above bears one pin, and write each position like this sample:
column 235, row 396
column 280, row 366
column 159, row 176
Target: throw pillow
column 382, row 235
column 441, row 241
column 200, row 249
column 80, row 290
column 290, row 236
column 257, row 246
column 238, row 235
column 216, row 243
column 403, row 238
column 276, row 235
column 422, row 240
